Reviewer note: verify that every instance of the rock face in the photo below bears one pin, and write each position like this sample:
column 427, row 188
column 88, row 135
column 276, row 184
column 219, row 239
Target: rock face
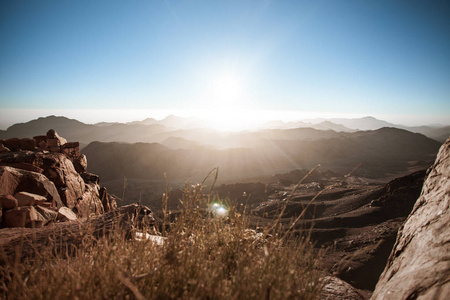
column 419, row 265
column 43, row 176
column 335, row 288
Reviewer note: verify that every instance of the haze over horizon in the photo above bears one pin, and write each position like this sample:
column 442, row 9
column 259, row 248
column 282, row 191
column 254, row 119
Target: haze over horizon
column 234, row 63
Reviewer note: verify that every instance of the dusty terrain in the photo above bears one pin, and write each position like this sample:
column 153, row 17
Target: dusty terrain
column 356, row 219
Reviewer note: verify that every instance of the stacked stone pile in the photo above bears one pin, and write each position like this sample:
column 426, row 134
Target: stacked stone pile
column 44, row 179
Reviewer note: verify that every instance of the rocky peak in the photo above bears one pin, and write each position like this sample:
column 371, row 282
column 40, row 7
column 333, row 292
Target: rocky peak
column 49, row 168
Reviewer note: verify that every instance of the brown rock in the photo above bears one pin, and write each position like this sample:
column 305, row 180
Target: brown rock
column 40, row 138
column 80, row 163
column 418, row 267
column 25, row 216
column 90, row 203
column 48, row 214
column 88, row 177
column 12, row 144
column 8, row 201
column 53, row 143
column 27, row 144
column 51, row 134
column 26, row 166
column 66, row 214
column 60, row 170
column 3, row 149
column 108, row 202
column 72, row 145
column 335, row 288
column 56, row 175
column 14, row 180
column 42, row 145
column 28, row 199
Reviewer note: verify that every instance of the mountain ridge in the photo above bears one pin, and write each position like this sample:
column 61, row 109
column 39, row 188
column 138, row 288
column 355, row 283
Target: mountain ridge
column 152, row 130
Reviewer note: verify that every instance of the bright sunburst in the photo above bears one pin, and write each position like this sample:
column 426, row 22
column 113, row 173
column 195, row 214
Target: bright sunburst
column 227, row 105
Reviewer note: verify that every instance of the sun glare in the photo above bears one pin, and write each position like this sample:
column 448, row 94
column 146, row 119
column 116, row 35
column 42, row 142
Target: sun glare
column 227, row 104
column 226, row 88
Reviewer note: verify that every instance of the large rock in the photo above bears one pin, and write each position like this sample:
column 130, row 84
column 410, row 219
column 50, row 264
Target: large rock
column 335, row 288
column 49, row 215
column 419, row 266
column 67, row 180
column 14, row 180
column 90, row 203
column 27, row 199
column 61, row 164
column 66, row 214
column 52, row 135
column 57, row 167
column 3, row 149
column 80, row 163
column 12, row 144
column 27, row 144
column 8, row 201
column 25, row 216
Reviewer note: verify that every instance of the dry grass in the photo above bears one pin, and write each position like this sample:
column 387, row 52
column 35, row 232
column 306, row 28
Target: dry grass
column 204, row 256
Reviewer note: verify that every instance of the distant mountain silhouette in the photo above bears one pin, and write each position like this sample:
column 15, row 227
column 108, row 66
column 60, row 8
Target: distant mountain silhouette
column 365, row 123
column 439, row 133
column 324, row 125
column 191, row 129
column 384, row 153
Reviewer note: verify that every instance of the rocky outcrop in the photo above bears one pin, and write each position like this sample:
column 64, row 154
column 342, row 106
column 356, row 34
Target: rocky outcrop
column 419, row 265
column 335, row 288
column 43, row 178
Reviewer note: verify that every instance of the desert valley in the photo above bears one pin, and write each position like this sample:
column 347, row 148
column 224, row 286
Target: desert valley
column 349, row 189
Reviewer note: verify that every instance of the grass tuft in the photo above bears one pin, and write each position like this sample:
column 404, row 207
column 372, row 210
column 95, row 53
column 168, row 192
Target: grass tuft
column 204, row 256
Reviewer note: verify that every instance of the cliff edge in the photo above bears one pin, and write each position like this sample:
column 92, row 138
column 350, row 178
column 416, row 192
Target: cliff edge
column 419, row 265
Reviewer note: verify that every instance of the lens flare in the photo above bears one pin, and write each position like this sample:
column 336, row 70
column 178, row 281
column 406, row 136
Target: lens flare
column 219, row 210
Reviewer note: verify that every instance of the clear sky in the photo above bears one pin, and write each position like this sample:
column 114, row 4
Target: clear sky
column 389, row 59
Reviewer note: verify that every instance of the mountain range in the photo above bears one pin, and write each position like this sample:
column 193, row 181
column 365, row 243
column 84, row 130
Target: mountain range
column 192, row 131
column 144, row 151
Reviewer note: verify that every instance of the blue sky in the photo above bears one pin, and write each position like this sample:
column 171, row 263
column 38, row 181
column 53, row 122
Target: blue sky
column 389, row 59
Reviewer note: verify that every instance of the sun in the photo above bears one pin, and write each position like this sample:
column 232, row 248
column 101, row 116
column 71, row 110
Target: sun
column 227, row 103
column 226, row 89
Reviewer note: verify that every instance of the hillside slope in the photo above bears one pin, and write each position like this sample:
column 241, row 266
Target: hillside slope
column 383, row 153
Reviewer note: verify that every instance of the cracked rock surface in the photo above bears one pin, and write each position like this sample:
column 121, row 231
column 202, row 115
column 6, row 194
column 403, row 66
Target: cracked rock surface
column 419, row 265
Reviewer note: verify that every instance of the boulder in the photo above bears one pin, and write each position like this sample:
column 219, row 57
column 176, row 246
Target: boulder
column 26, row 166
column 40, row 138
column 90, row 203
column 66, row 214
column 25, row 216
column 49, row 215
column 8, row 201
column 52, row 134
column 59, row 163
column 108, row 202
column 335, row 288
column 80, row 163
column 418, row 267
column 88, row 177
column 28, row 199
column 12, row 144
column 71, row 149
column 3, row 149
column 59, row 169
column 53, row 143
column 27, row 144
column 14, row 180
column 42, row 145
